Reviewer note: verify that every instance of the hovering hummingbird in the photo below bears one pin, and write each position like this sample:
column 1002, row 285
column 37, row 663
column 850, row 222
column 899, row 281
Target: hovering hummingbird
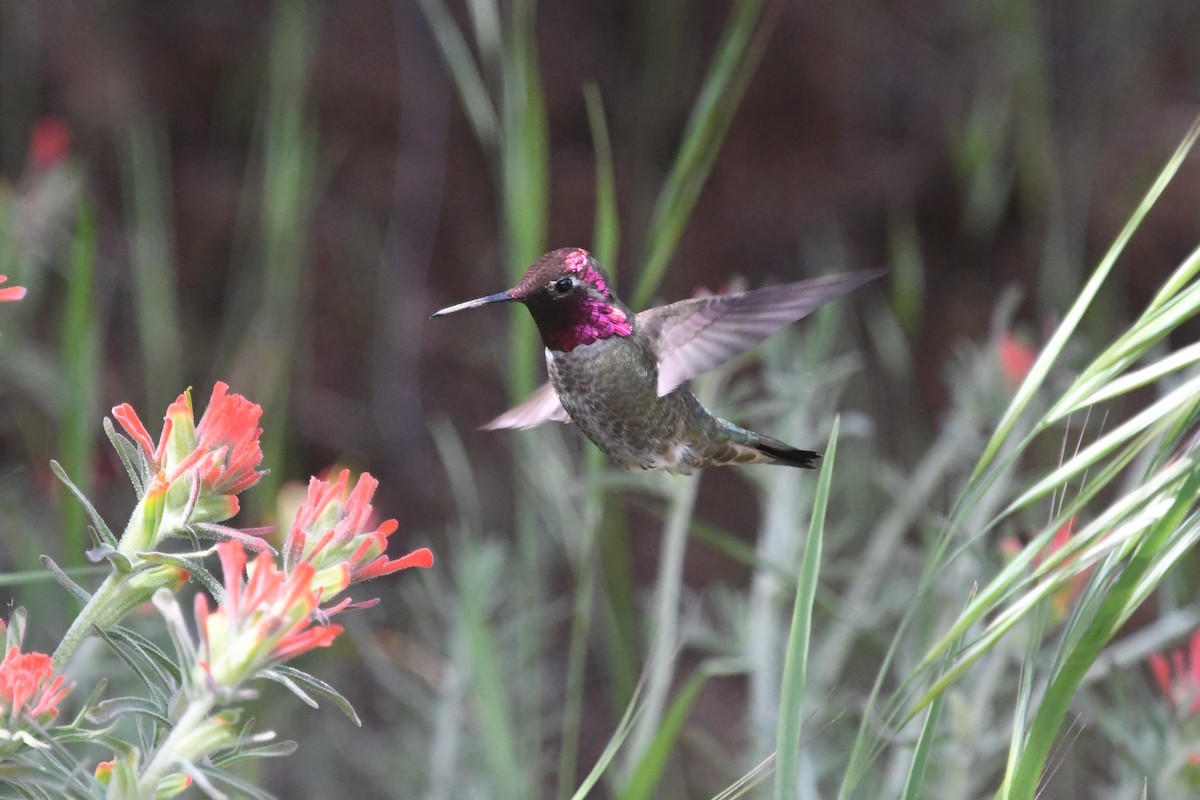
column 619, row 376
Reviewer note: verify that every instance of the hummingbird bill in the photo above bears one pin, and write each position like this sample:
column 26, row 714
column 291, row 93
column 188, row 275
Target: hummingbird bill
column 620, row 377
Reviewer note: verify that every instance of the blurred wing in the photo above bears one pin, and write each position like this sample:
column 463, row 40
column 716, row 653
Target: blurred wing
column 541, row 406
column 694, row 336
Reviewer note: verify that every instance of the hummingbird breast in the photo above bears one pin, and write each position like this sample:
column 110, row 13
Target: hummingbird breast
column 610, row 389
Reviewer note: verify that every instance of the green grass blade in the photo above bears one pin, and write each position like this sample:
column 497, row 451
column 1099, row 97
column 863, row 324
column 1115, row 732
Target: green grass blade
column 464, row 72
column 80, row 349
column 572, row 716
column 1020, row 716
column 644, row 781
column 146, row 180
column 617, row 595
column 1112, row 613
column 276, row 288
column 1054, row 347
column 1018, row 574
column 795, row 665
column 925, row 741
column 606, row 229
column 624, row 727
column 743, row 41
column 1150, row 417
column 498, row 735
column 524, row 175
column 668, row 589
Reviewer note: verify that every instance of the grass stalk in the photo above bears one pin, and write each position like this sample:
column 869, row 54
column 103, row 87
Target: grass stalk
column 80, row 352
column 665, row 638
column 795, row 665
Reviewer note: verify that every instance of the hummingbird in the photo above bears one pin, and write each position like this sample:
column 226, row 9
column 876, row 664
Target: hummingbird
column 620, row 377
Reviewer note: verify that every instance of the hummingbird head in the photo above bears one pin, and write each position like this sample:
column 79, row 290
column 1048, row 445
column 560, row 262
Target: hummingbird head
column 567, row 293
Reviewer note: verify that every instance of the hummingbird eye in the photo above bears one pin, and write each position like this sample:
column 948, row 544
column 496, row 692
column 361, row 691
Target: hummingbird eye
column 564, row 285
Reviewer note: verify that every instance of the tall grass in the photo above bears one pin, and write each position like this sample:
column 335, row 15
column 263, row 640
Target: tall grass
column 893, row 738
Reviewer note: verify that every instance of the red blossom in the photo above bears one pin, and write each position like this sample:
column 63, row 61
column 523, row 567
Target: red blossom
column 1179, row 678
column 49, row 142
column 265, row 618
column 229, row 433
column 1016, row 358
column 329, row 532
column 10, row 294
column 29, row 686
column 224, row 446
column 1062, row 597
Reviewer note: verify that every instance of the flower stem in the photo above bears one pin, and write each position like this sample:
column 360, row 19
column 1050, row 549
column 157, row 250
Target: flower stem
column 174, row 748
column 97, row 611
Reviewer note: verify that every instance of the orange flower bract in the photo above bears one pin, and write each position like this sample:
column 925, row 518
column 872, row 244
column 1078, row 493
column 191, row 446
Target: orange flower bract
column 336, row 535
column 265, row 618
column 28, row 686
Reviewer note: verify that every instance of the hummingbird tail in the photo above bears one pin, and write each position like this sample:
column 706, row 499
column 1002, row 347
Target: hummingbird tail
column 786, row 454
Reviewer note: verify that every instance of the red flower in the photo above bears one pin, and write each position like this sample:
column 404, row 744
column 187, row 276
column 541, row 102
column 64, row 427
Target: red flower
column 336, row 535
column 1061, row 599
column 1179, row 679
column 224, row 446
column 10, row 293
column 28, row 686
column 265, row 617
column 222, row 453
column 1016, row 358
column 49, row 142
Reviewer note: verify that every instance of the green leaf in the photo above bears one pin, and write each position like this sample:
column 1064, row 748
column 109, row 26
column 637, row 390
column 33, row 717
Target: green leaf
column 314, row 684
column 280, row 749
column 1054, row 347
column 606, row 227
column 102, row 528
column 1114, row 610
column 795, row 665
column 161, row 683
column 647, row 773
column 743, row 40
column 132, row 458
column 71, row 586
column 235, row 786
column 147, row 650
column 111, row 710
column 80, row 349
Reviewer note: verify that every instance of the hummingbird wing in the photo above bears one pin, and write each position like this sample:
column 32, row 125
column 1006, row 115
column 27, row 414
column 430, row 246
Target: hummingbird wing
column 696, row 335
column 541, row 406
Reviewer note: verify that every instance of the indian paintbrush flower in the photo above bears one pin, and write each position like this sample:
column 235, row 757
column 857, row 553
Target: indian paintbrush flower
column 193, row 474
column 335, row 533
column 1064, row 596
column 1016, row 359
column 188, row 483
column 265, row 618
column 1179, row 677
column 29, row 696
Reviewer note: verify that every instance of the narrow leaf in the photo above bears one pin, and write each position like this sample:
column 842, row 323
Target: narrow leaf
column 101, row 527
column 795, row 665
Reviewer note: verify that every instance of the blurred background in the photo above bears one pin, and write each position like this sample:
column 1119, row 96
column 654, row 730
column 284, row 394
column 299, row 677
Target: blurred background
column 278, row 194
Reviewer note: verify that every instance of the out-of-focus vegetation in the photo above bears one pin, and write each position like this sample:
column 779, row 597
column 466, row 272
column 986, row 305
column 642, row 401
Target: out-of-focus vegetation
column 961, row 604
